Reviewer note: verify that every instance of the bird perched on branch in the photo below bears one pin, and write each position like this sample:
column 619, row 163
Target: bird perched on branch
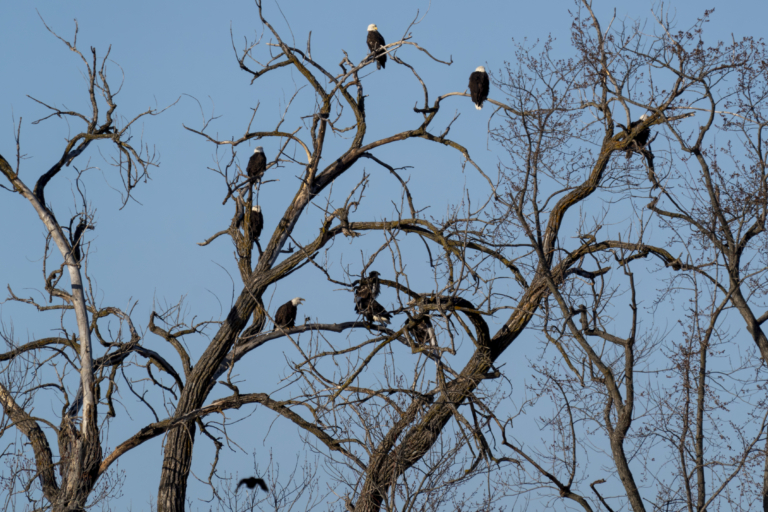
column 423, row 332
column 252, row 482
column 373, row 312
column 367, row 287
column 257, row 165
column 366, row 291
column 641, row 138
column 257, row 222
column 286, row 314
column 375, row 44
column 478, row 86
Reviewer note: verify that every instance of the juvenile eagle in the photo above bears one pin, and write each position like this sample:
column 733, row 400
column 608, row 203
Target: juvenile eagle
column 375, row 42
column 478, row 86
column 423, row 332
column 257, row 164
column 366, row 291
column 367, row 287
column 373, row 312
column 285, row 317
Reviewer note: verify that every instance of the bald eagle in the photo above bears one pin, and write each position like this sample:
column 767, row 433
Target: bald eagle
column 252, row 482
column 423, row 332
column 641, row 138
column 257, row 164
column 478, row 86
column 257, row 222
column 375, row 41
column 285, row 317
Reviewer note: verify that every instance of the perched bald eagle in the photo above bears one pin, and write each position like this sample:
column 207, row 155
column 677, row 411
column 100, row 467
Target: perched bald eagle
column 286, row 314
column 375, row 41
column 641, row 138
column 257, row 164
column 478, row 86
column 253, row 482
column 423, row 332
column 257, row 222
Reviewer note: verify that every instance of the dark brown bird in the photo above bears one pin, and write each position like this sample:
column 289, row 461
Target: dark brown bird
column 373, row 311
column 423, row 332
column 641, row 138
column 257, row 164
column 252, row 482
column 257, row 222
column 376, row 42
column 285, row 317
column 367, row 287
column 479, row 86
column 366, row 291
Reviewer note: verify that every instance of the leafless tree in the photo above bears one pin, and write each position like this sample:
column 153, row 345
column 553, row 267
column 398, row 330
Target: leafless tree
column 553, row 250
column 603, row 354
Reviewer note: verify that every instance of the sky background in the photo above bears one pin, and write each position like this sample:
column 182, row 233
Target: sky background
column 179, row 52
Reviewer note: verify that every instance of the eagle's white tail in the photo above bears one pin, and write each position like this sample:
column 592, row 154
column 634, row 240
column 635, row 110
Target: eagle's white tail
column 478, row 107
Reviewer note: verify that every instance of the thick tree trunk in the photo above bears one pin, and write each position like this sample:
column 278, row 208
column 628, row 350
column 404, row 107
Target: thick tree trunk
column 176, row 466
column 179, row 444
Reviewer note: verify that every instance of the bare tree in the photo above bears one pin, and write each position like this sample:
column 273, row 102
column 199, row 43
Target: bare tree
column 80, row 452
column 578, row 321
column 414, row 404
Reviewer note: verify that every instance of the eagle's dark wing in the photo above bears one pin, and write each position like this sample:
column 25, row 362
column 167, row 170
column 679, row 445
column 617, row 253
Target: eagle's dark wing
column 252, row 482
column 376, row 312
column 257, row 224
column 375, row 42
column 478, row 87
column 257, row 164
column 485, row 86
column 286, row 315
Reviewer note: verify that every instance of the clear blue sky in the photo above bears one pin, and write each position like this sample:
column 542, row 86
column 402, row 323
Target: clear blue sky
column 148, row 252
